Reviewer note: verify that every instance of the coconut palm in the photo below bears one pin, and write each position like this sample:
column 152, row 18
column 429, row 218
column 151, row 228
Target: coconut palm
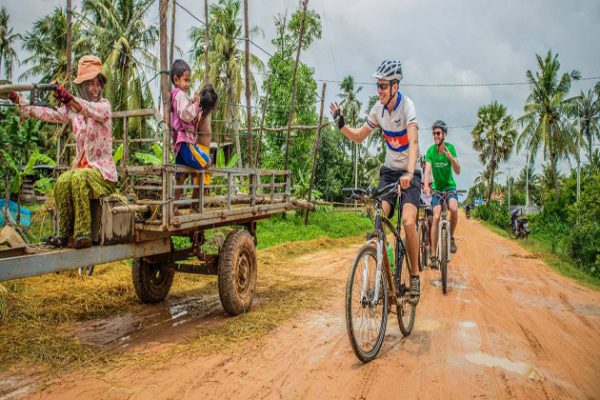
column 493, row 136
column 226, row 59
column 588, row 117
column 125, row 43
column 351, row 108
column 547, row 109
column 47, row 44
column 8, row 54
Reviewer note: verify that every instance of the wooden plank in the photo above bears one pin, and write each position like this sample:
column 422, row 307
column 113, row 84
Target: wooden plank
column 135, row 113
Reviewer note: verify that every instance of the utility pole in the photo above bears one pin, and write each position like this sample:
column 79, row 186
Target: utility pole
column 527, row 182
column 247, row 68
column 291, row 114
column 69, row 26
column 508, row 185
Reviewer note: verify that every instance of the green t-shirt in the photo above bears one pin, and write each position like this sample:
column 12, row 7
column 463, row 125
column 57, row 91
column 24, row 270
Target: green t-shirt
column 441, row 167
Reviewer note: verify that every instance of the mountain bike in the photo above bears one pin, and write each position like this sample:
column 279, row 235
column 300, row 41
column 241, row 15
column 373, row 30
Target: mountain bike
column 374, row 281
column 443, row 243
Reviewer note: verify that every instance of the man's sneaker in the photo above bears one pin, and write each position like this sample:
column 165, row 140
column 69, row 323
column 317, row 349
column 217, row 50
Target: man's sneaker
column 415, row 290
column 452, row 246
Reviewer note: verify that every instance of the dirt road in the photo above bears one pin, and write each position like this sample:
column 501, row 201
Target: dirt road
column 509, row 328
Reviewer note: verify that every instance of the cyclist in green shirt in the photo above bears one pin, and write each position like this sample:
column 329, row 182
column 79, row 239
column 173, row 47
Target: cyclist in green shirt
column 441, row 162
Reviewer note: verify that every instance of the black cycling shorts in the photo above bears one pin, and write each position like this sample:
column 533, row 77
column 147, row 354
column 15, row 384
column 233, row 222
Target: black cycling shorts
column 411, row 195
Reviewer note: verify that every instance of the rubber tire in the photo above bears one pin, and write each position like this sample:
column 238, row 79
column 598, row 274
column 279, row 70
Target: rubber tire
column 421, row 234
column 151, row 281
column 511, row 232
column 365, row 357
column 236, row 288
column 406, row 328
column 444, row 260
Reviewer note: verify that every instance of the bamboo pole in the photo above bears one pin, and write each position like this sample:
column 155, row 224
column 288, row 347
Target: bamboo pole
column 206, row 44
column 164, row 86
column 69, row 59
column 291, row 114
column 262, row 122
column 172, row 49
column 247, row 73
column 315, row 151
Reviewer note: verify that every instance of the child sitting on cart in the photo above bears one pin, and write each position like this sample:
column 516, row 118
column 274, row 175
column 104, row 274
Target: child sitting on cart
column 190, row 123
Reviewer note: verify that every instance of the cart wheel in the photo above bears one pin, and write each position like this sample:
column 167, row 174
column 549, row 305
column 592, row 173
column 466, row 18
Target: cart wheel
column 152, row 281
column 237, row 272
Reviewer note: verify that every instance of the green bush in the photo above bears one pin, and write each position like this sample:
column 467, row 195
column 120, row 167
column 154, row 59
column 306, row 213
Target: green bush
column 494, row 212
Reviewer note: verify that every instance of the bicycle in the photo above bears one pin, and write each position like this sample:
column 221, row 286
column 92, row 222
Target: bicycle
column 372, row 283
column 423, row 235
column 443, row 243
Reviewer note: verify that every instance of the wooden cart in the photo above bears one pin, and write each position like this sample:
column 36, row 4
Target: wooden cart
column 142, row 224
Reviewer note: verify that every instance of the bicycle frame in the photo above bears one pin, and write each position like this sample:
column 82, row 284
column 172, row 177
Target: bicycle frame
column 379, row 239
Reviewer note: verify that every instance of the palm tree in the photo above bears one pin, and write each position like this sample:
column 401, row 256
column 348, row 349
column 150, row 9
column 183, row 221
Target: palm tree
column 493, row 136
column 47, row 44
column 351, row 108
column 7, row 39
column 125, row 43
column 588, row 116
column 226, row 59
column 547, row 109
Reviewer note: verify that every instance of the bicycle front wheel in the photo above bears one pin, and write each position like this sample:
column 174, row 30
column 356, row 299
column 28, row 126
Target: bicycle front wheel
column 404, row 309
column 366, row 310
column 444, row 260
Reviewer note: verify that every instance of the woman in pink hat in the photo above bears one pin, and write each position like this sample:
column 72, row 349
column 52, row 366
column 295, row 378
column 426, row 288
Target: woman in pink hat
column 94, row 173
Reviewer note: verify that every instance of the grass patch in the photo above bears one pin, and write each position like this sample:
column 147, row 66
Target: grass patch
column 543, row 249
column 37, row 315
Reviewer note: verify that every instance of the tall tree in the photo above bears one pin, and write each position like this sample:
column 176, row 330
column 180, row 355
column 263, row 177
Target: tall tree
column 493, row 137
column 588, row 117
column 351, row 108
column 8, row 55
column 226, row 59
column 47, row 44
column 281, row 65
column 547, row 110
column 122, row 38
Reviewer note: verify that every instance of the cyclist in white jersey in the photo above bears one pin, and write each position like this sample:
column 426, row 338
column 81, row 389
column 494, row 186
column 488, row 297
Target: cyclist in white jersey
column 395, row 114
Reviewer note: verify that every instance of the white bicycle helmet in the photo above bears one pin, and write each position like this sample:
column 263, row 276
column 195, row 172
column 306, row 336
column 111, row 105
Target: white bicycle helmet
column 389, row 70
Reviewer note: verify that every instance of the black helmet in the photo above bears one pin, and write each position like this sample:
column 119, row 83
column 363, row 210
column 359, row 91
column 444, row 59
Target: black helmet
column 440, row 124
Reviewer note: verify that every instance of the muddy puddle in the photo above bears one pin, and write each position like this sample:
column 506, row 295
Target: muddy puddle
column 518, row 367
column 169, row 322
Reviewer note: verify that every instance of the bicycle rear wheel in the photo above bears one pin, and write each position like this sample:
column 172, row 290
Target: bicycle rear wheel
column 404, row 309
column 422, row 235
column 444, row 260
column 366, row 316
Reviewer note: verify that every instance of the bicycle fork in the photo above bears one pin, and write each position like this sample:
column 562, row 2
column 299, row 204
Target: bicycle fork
column 380, row 246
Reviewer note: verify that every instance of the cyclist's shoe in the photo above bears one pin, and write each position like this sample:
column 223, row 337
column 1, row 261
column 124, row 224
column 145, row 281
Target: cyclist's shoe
column 415, row 290
column 452, row 246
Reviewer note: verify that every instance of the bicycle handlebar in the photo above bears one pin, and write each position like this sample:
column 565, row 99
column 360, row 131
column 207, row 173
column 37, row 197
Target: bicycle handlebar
column 372, row 192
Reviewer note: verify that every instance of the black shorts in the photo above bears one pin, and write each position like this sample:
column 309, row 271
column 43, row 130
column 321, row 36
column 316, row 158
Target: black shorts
column 411, row 195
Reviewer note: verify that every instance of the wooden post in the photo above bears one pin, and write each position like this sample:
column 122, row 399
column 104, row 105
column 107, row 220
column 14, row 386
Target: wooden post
column 164, row 86
column 172, row 49
column 262, row 122
column 247, row 68
column 290, row 116
column 315, row 151
column 206, row 44
column 69, row 59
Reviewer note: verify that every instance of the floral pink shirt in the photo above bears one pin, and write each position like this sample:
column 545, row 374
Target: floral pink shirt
column 183, row 113
column 92, row 128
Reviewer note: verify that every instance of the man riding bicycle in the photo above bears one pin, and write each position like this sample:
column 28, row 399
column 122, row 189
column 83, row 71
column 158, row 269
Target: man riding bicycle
column 441, row 161
column 395, row 114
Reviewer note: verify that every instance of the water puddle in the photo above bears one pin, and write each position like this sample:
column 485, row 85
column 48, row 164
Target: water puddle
column 520, row 368
column 467, row 324
column 166, row 322
column 588, row 309
column 452, row 284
